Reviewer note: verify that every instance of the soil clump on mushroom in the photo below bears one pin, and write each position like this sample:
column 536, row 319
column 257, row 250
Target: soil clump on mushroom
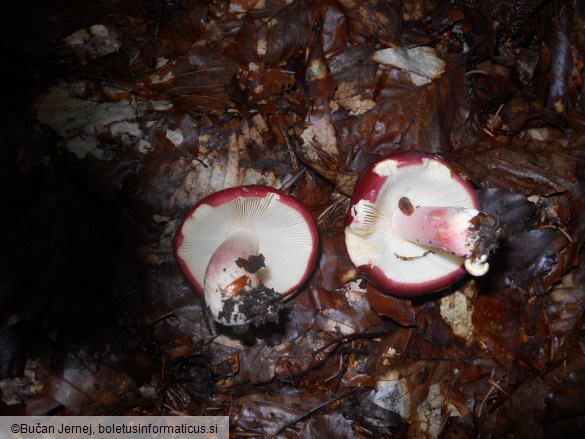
column 252, row 264
column 485, row 230
column 259, row 306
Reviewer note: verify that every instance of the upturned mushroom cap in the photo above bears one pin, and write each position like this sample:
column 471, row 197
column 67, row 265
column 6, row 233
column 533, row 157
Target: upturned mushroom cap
column 393, row 257
column 277, row 226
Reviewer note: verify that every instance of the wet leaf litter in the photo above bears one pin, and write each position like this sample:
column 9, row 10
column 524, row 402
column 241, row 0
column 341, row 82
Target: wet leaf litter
column 137, row 112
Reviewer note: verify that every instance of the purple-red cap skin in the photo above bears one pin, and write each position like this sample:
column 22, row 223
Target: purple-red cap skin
column 378, row 279
column 367, row 188
column 369, row 183
column 249, row 191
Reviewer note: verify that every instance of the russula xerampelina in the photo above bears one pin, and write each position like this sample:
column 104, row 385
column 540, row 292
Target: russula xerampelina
column 245, row 249
column 414, row 226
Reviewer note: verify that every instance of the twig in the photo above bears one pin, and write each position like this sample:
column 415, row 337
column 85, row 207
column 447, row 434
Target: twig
column 560, row 229
column 493, row 121
column 341, row 340
column 483, row 402
column 287, row 185
column 310, row 413
column 496, row 385
column 330, row 209
column 476, row 72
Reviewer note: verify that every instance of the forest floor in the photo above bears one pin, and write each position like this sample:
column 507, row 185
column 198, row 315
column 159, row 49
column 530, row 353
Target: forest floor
column 118, row 116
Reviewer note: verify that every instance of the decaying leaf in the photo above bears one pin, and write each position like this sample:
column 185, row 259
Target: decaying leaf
column 421, row 63
column 143, row 108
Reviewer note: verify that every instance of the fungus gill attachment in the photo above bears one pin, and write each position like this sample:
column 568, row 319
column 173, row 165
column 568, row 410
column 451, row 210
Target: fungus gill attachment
column 414, row 226
column 245, row 249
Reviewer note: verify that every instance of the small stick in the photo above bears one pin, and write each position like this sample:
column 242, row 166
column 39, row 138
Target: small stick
column 310, row 413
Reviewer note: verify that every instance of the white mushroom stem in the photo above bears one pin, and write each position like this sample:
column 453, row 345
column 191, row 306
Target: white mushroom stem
column 448, row 228
column 224, row 278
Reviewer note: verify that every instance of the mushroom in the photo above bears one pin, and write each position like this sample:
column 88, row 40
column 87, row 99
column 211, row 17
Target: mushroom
column 245, row 249
column 414, row 227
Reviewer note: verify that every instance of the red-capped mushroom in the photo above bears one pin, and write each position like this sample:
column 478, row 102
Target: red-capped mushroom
column 245, row 249
column 413, row 226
